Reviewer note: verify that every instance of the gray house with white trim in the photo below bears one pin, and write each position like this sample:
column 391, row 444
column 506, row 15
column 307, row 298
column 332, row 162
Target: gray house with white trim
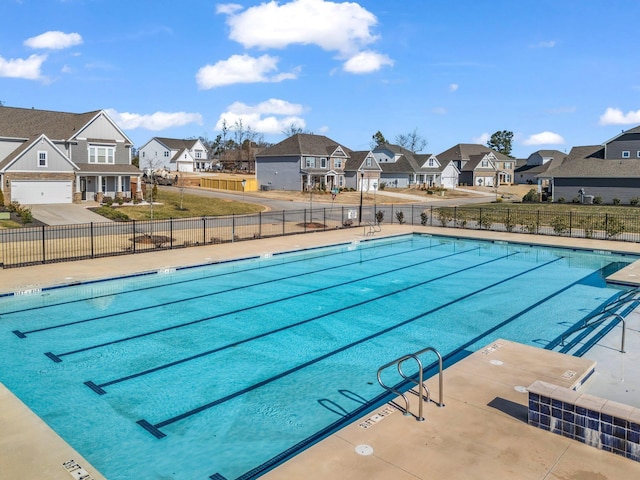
column 49, row 157
column 302, row 162
column 610, row 171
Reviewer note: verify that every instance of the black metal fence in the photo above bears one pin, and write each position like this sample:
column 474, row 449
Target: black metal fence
column 48, row 244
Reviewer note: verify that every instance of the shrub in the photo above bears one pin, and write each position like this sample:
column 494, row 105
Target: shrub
column 616, row 201
column 531, row 197
column 13, row 207
column 382, row 185
column 575, row 200
column 561, row 200
column 379, row 216
column 597, row 200
column 424, row 218
column 589, row 224
column 444, row 216
column 560, row 225
column 400, row 217
column 634, row 201
column 1, row 198
column 613, row 227
column 25, row 216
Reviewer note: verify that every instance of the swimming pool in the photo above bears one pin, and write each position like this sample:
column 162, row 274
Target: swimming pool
column 223, row 371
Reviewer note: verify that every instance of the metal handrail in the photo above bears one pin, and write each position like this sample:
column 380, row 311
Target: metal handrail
column 605, row 315
column 420, row 382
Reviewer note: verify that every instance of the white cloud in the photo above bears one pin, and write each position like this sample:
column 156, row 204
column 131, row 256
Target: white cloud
column 54, row 40
column 270, row 117
column 482, row 139
column 155, row 121
column 366, row 62
column 453, row 87
column 241, row 69
column 228, row 8
column 615, row 116
column 544, row 138
column 545, row 44
column 28, row 68
column 342, row 27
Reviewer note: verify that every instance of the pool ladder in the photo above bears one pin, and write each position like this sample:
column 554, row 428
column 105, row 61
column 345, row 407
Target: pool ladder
column 423, row 391
column 609, row 310
column 373, row 228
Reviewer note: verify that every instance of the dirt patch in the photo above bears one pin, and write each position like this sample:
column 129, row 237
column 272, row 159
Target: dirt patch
column 156, row 240
column 311, row 225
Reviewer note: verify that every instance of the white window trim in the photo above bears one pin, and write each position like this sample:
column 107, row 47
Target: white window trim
column 109, row 159
column 626, row 154
column 46, row 158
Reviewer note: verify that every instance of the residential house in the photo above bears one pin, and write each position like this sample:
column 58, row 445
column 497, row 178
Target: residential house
column 538, row 163
column 302, row 162
column 610, row 171
column 402, row 168
column 479, row 164
column 49, row 157
column 362, row 172
column 174, row 155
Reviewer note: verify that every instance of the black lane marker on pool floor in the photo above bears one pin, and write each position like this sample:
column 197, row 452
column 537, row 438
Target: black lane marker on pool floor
column 20, row 334
column 99, row 388
column 157, row 426
column 240, row 310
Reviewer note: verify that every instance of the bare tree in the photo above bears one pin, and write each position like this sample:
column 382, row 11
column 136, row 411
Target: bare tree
column 293, row 129
column 411, row 141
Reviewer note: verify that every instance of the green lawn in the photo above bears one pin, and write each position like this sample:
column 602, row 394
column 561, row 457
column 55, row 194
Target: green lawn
column 167, row 205
column 562, row 208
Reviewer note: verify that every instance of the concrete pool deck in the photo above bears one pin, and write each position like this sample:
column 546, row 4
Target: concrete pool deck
column 480, row 433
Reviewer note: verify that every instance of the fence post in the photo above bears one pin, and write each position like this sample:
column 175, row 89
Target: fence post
column 412, row 221
column 304, row 220
column 392, row 214
column 44, row 256
column 283, row 220
column 324, row 218
column 170, row 233
column 260, row 224
column 92, row 253
column 431, row 217
column 133, row 236
column 204, row 231
column 538, row 223
column 570, row 223
column 606, row 225
column 480, row 218
column 233, row 227
column 455, row 215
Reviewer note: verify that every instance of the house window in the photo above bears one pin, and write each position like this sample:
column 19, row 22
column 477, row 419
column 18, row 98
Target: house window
column 484, row 163
column 100, row 154
column 626, row 154
column 341, row 181
column 368, row 162
column 310, row 162
column 166, row 154
column 507, row 165
column 143, row 154
column 104, row 184
column 432, row 162
column 323, row 163
column 198, row 154
column 42, row 159
column 337, row 163
column 638, row 154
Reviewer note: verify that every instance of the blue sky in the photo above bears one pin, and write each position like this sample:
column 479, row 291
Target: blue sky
column 556, row 73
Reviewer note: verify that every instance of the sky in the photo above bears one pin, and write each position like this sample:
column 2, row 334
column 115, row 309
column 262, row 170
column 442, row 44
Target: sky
column 556, row 73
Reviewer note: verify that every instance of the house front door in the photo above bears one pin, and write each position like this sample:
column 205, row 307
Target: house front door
column 83, row 187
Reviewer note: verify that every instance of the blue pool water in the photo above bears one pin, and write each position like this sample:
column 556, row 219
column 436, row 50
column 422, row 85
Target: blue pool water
column 222, row 371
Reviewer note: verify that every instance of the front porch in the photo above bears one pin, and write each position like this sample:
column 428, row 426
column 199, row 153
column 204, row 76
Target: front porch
column 95, row 187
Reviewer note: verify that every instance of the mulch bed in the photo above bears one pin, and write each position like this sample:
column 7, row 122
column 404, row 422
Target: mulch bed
column 311, row 225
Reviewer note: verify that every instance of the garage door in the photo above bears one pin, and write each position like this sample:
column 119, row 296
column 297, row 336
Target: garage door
column 32, row 193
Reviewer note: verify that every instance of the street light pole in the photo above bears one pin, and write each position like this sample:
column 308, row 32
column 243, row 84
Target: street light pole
column 361, row 189
column 244, row 182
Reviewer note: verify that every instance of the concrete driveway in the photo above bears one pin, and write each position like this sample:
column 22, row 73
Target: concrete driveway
column 65, row 214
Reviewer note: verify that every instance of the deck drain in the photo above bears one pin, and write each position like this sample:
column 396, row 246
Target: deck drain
column 495, row 362
column 520, row 388
column 364, row 449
